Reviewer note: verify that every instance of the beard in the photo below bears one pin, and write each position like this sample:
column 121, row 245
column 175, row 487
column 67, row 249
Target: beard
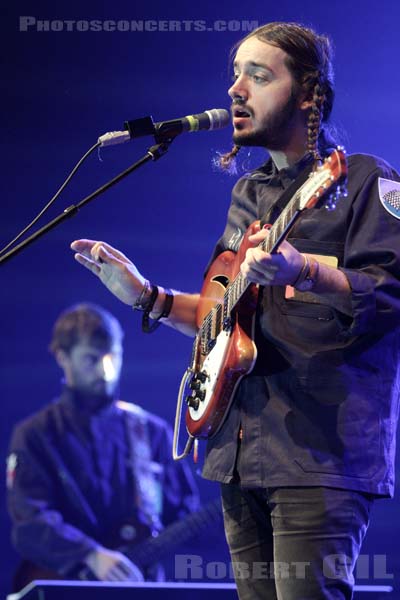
column 95, row 395
column 275, row 131
column 92, row 402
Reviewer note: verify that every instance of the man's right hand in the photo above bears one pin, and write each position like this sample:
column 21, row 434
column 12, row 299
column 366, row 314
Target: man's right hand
column 111, row 565
column 123, row 279
column 112, row 267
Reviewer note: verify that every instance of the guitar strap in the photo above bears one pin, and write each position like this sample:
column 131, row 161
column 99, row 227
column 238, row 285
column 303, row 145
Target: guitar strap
column 287, row 194
column 148, row 490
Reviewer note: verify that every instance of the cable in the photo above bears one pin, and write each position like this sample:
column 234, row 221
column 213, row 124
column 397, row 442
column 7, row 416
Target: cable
column 53, row 199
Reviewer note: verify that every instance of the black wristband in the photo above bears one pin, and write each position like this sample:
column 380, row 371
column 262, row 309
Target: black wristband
column 148, row 327
column 168, row 302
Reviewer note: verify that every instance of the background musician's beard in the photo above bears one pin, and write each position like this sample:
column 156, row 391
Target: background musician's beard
column 274, row 132
column 92, row 402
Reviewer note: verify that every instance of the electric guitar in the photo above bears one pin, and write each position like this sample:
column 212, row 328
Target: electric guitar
column 143, row 553
column 224, row 350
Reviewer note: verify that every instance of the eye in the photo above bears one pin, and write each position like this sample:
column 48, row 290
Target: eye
column 89, row 360
column 259, row 78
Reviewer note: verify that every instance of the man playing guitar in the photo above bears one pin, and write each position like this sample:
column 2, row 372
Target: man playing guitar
column 307, row 440
column 89, row 475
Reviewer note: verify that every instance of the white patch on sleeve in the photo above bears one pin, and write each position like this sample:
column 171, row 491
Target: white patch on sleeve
column 389, row 195
column 12, row 462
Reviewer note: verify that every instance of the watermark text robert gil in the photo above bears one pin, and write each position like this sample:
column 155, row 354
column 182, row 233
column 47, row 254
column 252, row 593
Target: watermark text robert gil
column 335, row 566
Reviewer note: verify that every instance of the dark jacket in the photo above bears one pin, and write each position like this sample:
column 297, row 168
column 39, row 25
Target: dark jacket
column 321, row 405
column 71, row 484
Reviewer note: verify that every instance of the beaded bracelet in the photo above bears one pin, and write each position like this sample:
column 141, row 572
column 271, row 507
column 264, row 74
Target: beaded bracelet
column 166, row 309
column 304, row 271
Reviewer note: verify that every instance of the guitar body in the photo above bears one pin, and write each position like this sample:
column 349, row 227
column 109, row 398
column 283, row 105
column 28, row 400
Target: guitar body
column 233, row 353
column 27, row 571
column 224, row 350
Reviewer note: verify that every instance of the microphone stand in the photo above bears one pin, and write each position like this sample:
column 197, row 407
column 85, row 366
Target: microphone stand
column 153, row 153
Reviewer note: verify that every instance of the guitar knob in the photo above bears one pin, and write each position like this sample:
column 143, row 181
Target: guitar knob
column 202, row 376
column 192, row 402
column 195, row 385
column 201, row 395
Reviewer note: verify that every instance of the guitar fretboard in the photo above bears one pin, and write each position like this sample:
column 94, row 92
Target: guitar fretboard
column 316, row 187
column 216, row 320
column 152, row 550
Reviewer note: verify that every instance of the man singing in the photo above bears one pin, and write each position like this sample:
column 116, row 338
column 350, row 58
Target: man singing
column 309, row 440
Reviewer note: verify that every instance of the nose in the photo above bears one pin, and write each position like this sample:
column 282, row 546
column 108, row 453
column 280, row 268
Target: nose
column 101, row 369
column 107, row 368
column 238, row 89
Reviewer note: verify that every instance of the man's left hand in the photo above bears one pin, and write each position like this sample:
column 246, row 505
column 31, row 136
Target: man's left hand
column 282, row 268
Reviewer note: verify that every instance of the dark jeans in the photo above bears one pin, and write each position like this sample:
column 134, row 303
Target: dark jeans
column 294, row 543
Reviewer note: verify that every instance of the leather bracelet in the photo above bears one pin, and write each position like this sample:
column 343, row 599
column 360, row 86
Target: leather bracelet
column 144, row 297
column 308, row 283
column 166, row 309
column 304, row 272
column 168, row 302
column 148, row 327
column 151, row 302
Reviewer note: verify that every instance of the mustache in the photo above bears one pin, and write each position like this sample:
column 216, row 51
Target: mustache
column 240, row 102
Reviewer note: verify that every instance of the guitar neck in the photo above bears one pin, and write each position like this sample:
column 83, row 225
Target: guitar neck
column 282, row 226
column 153, row 549
column 277, row 233
column 324, row 180
column 220, row 314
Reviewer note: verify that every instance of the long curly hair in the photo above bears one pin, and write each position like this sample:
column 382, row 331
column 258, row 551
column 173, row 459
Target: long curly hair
column 309, row 60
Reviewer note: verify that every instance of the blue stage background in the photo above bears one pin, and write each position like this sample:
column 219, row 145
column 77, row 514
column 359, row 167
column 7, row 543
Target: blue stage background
column 61, row 90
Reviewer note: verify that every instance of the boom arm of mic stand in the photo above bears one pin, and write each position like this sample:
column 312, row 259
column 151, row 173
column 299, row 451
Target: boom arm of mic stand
column 153, row 153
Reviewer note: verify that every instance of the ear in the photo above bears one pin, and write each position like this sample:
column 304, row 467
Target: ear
column 306, row 104
column 305, row 98
column 62, row 358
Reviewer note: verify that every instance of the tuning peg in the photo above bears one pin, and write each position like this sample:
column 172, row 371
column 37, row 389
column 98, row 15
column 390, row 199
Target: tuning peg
column 330, row 204
column 332, row 200
column 337, row 194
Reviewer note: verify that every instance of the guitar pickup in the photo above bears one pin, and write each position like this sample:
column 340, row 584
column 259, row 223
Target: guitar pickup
column 210, row 345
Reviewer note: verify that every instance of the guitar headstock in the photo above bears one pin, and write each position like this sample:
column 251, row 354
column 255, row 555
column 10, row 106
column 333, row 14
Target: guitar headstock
column 327, row 182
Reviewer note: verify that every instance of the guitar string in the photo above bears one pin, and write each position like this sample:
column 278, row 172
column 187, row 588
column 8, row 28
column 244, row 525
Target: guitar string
column 239, row 285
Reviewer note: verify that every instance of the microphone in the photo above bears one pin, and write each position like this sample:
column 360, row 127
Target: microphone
column 216, row 118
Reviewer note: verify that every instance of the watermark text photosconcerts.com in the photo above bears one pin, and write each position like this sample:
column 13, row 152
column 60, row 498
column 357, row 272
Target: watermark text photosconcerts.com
column 30, row 23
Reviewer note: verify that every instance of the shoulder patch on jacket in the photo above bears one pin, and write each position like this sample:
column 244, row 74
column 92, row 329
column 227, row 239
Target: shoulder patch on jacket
column 389, row 195
column 12, row 462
